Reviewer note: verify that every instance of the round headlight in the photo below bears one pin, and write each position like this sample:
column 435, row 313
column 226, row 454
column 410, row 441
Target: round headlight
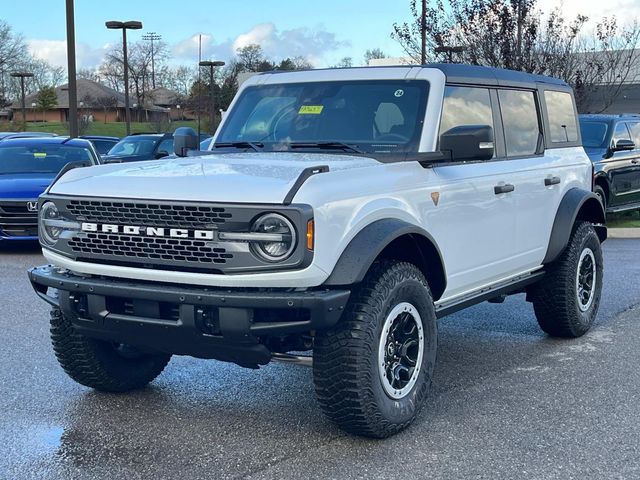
column 49, row 234
column 282, row 241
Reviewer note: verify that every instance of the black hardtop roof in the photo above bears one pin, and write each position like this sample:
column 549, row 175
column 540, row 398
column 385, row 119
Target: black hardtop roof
column 476, row 74
column 473, row 75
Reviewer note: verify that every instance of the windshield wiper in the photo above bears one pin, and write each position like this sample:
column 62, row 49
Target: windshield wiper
column 256, row 146
column 328, row 146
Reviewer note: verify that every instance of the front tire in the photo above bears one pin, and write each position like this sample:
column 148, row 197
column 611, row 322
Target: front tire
column 373, row 370
column 102, row 365
column 567, row 299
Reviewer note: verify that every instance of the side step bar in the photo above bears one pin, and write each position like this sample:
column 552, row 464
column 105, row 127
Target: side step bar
column 495, row 291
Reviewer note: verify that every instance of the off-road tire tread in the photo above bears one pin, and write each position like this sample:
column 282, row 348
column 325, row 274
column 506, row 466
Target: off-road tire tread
column 77, row 356
column 553, row 297
column 346, row 398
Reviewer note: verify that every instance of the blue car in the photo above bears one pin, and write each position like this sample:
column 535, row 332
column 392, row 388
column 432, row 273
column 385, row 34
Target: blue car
column 27, row 167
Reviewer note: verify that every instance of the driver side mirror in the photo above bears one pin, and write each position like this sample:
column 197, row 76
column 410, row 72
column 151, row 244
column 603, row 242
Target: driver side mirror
column 184, row 139
column 161, row 154
column 468, row 142
column 622, row 145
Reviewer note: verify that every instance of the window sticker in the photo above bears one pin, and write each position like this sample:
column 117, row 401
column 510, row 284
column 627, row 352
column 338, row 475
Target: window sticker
column 310, row 110
column 398, row 93
column 39, row 154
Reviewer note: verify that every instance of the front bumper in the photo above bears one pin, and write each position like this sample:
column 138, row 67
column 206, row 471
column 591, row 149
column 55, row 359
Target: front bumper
column 8, row 238
column 225, row 324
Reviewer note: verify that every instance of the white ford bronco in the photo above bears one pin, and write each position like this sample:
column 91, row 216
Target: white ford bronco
column 336, row 212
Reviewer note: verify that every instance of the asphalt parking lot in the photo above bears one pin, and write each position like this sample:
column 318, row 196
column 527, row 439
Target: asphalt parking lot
column 507, row 402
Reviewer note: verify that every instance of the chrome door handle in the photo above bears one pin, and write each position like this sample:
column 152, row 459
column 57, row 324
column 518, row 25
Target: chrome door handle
column 498, row 189
column 551, row 181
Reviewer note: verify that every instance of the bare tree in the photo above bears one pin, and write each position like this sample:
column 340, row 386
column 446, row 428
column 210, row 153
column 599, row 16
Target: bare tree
column 605, row 64
column 180, row 79
column 88, row 74
column 106, row 102
column 344, row 62
column 13, row 51
column 250, row 58
column 513, row 34
column 372, row 54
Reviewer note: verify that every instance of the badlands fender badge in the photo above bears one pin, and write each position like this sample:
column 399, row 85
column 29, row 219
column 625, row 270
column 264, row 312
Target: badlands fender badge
column 435, row 196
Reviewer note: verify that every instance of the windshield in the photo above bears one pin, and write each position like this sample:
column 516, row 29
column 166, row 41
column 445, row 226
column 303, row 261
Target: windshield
column 594, row 134
column 134, row 146
column 40, row 158
column 374, row 116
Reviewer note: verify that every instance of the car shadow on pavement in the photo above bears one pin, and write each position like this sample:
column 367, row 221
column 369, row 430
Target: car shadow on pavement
column 223, row 413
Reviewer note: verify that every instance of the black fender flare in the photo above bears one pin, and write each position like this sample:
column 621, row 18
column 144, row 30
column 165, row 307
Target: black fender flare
column 576, row 204
column 368, row 244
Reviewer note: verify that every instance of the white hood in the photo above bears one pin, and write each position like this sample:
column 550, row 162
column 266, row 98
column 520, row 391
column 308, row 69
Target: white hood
column 226, row 178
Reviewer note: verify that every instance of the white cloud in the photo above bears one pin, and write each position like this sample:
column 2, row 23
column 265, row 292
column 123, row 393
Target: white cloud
column 55, row 52
column 188, row 48
column 624, row 10
column 311, row 43
column 262, row 34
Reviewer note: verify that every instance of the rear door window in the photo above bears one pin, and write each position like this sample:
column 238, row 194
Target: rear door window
column 520, row 122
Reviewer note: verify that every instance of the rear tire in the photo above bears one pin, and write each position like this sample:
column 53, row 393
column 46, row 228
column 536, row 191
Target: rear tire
column 567, row 299
column 102, row 365
column 373, row 370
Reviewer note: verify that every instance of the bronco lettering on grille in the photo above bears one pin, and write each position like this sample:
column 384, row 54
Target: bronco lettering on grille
column 148, row 231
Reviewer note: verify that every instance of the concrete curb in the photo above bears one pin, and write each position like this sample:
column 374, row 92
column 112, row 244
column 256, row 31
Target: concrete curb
column 623, row 232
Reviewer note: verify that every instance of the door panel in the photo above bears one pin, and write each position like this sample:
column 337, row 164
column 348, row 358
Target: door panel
column 633, row 176
column 622, row 168
column 475, row 224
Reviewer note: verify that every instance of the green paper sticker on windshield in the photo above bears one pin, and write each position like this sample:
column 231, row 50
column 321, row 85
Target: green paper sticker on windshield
column 310, row 110
column 39, row 154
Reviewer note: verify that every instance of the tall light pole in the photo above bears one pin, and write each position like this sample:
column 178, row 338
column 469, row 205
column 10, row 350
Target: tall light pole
column 22, row 76
column 124, row 26
column 71, row 70
column 212, row 65
column 423, row 33
column 152, row 37
column 449, row 50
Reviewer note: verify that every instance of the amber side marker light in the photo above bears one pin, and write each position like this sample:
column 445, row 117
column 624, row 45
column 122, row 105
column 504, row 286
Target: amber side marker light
column 310, row 235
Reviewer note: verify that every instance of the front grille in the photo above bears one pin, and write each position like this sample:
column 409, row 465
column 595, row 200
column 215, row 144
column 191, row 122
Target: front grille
column 197, row 252
column 113, row 242
column 150, row 214
column 17, row 221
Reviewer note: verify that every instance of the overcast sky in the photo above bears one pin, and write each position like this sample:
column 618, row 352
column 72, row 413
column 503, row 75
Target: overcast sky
column 322, row 30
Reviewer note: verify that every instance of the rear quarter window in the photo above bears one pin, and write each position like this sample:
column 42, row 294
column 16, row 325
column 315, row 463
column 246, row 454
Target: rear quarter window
column 563, row 127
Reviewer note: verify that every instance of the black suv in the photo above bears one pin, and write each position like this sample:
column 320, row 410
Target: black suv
column 613, row 145
column 140, row 146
